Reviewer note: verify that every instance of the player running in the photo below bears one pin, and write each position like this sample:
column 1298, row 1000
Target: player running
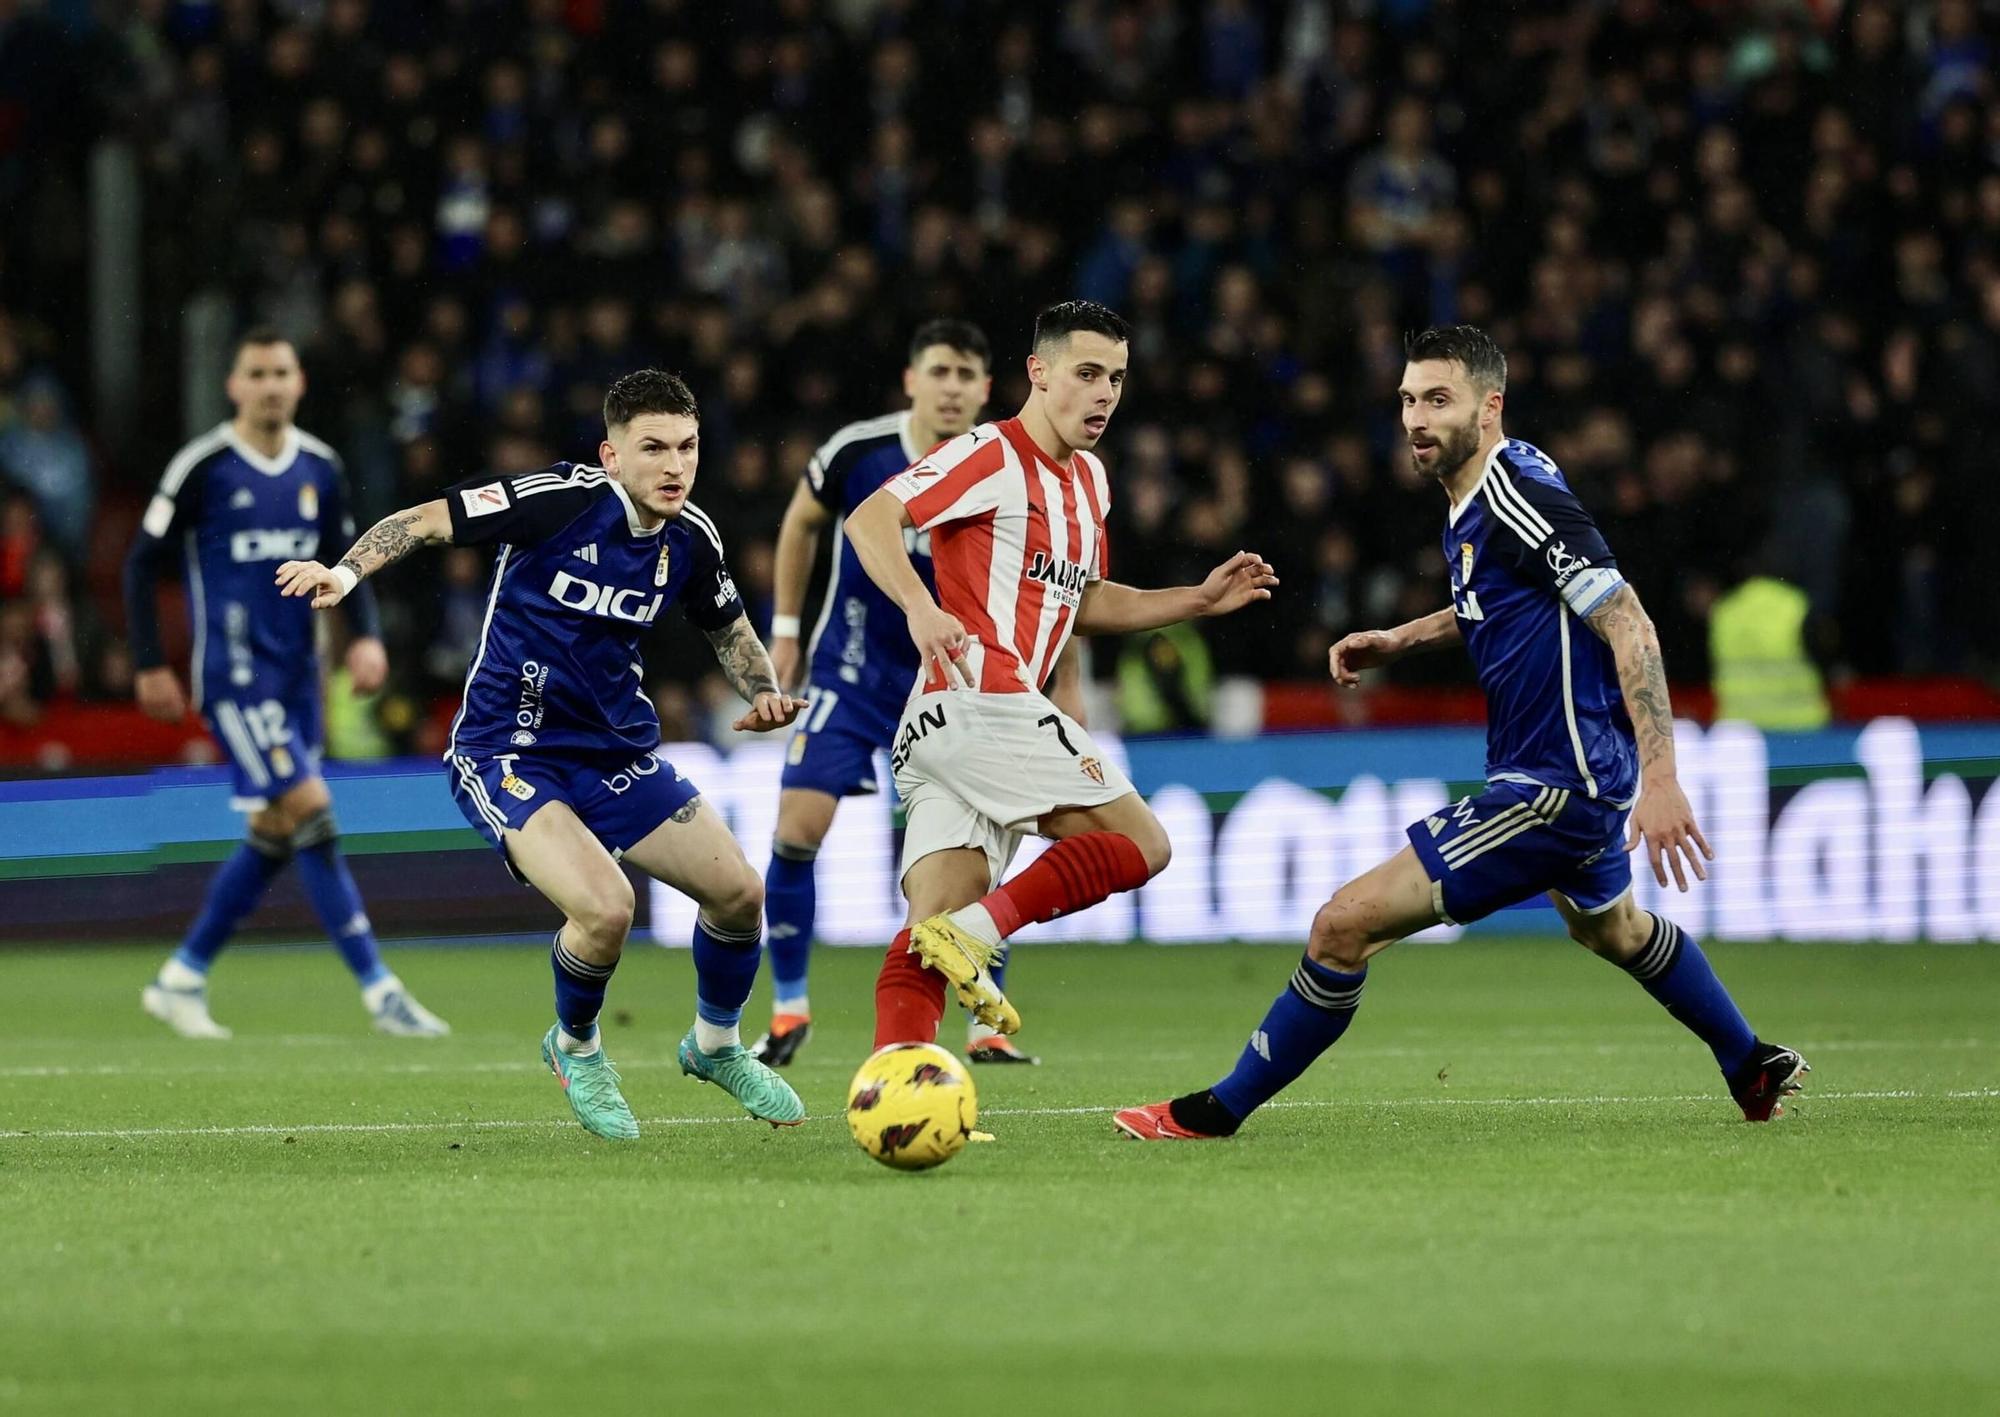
column 253, row 491
column 862, row 661
column 1563, row 762
column 554, row 756
column 1015, row 511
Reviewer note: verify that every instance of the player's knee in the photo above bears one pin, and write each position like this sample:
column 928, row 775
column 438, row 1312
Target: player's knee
column 605, row 914
column 738, row 902
column 1338, row 939
column 1156, row 847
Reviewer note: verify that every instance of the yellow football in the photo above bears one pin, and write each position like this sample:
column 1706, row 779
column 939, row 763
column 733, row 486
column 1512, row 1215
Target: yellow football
column 912, row 1106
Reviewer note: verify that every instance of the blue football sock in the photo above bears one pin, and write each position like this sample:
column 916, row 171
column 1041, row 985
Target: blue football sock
column 335, row 899
column 1307, row 1018
column 725, row 966
column 580, row 987
column 1674, row 971
column 233, row 892
column 789, row 906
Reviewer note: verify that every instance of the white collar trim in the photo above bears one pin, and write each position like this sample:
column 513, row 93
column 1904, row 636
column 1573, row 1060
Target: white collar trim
column 904, row 424
column 1472, row 496
column 270, row 467
column 632, row 522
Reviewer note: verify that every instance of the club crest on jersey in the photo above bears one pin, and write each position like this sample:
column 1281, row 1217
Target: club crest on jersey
column 1464, row 562
column 1092, row 769
column 664, row 565
column 308, row 502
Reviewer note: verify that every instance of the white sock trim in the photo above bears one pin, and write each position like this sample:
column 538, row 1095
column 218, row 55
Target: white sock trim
column 977, row 921
column 579, row 1047
column 713, row 1037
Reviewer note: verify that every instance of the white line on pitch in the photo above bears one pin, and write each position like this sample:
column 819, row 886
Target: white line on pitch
column 1441, row 1049
column 316, row 1128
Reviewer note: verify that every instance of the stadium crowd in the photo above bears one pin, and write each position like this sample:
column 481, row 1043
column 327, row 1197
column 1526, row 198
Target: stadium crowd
column 1745, row 259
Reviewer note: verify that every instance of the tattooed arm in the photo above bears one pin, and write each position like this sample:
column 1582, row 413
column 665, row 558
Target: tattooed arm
column 747, row 667
column 383, row 544
column 1662, row 818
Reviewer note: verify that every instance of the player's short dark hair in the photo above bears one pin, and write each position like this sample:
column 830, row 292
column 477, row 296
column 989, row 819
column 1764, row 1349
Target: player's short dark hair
column 1467, row 346
column 1070, row 317
column 257, row 336
column 647, row 391
column 960, row 335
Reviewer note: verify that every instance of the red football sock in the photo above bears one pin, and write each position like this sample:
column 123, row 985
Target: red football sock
column 1072, row 875
column 909, row 999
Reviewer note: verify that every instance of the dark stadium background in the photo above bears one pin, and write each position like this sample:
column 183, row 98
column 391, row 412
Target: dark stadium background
column 1745, row 259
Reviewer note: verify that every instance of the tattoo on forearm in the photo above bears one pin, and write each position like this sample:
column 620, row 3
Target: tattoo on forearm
column 385, row 543
column 744, row 661
column 1642, row 674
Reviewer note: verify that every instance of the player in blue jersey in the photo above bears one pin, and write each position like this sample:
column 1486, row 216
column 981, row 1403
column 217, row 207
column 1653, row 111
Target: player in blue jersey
column 1578, row 724
column 233, row 503
column 554, row 756
column 860, row 662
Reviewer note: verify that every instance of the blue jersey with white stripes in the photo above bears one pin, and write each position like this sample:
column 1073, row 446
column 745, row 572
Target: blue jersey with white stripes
column 576, row 583
column 236, row 515
column 861, row 645
column 1527, row 564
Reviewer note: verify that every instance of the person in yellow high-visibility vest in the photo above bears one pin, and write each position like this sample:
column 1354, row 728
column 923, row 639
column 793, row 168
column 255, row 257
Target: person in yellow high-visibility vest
column 1763, row 670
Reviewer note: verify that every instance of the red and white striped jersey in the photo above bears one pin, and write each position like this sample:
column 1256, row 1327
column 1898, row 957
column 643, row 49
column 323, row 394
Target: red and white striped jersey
column 1015, row 538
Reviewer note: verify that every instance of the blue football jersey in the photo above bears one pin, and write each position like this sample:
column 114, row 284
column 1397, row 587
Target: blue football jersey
column 862, row 640
column 234, row 515
column 1527, row 564
column 576, row 583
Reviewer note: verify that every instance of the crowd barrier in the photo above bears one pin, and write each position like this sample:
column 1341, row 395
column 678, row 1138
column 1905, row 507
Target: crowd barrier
column 1887, row 832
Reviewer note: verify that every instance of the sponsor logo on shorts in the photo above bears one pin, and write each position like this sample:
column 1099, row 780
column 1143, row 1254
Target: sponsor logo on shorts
column 1092, row 769
column 620, row 783
column 522, row 738
column 528, row 710
column 918, row 730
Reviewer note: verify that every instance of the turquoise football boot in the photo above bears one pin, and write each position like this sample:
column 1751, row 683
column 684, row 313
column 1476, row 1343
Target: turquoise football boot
column 591, row 1085
column 764, row 1095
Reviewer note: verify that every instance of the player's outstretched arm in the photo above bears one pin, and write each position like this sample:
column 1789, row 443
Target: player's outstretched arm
column 798, row 541
column 875, row 531
column 1108, row 608
column 1662, row 819
column 748, row 669
column 383, row 544
column 1371, row 649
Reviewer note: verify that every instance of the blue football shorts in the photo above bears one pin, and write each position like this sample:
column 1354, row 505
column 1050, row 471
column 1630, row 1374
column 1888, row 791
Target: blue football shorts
column 272, row 743
column 620, row 799
column 834, row 742
column 1515, row 841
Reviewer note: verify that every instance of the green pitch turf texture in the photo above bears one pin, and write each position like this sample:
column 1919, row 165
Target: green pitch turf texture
column 1514, row 1188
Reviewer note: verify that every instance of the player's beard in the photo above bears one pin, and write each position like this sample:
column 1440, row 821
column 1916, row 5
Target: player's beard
column 1454, row 449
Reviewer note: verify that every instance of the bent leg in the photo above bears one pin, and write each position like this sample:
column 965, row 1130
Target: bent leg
column 560, row 857
column 336, row 900
column 1367, row 914
column 693, row 852
column 1671, row 967
column 909, row 998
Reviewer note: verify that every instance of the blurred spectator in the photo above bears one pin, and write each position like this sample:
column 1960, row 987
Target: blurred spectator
column 45, row 456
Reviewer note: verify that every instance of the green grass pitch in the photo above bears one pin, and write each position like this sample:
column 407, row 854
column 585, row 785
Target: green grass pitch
column 1513, row 1188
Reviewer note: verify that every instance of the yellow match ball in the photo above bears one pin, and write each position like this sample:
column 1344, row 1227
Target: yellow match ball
column 912, row 1106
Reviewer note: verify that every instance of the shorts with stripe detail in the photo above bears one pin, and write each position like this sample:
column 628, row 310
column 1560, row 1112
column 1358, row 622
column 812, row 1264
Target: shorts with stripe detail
column 272, row 743
column 619, row 798
column 1515, row 841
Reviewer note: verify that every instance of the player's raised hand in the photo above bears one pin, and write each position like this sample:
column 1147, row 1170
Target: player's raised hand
column 769, row 711
column 787, row 661
column 1365, row 649
column 159, row 693
column 941, row 640
column 1244, row 577
column 313, row 579
column 1665, row 822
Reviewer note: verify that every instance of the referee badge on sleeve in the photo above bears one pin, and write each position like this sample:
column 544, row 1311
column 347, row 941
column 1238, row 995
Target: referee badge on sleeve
column 660, row 571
